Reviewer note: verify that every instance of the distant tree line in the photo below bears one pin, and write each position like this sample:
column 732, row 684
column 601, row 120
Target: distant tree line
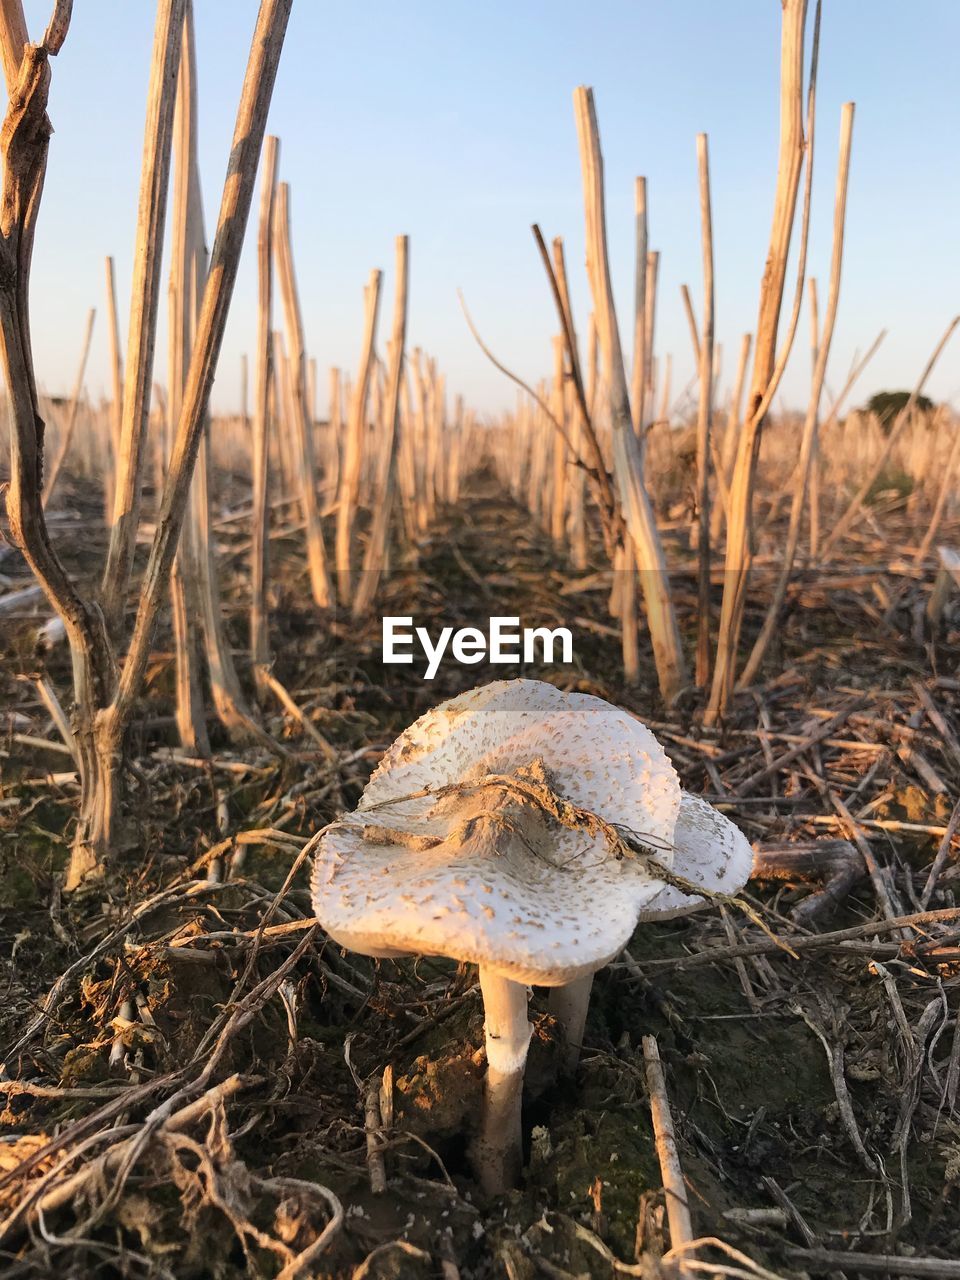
column 887, row 404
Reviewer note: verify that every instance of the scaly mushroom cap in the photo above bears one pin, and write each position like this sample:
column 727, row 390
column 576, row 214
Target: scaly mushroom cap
column 709, row 851
column 598, row 756
column 480, row 872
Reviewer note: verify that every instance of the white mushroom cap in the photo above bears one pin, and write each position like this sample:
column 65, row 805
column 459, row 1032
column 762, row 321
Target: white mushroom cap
column 598, row 756
column 710, row 851
column 482, row 876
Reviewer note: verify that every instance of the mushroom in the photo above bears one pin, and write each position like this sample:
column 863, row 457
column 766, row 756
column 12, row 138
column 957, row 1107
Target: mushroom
column 486, row 835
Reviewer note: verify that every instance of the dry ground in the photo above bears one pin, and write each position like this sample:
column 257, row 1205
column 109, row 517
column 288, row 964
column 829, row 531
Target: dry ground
column 814, row 1096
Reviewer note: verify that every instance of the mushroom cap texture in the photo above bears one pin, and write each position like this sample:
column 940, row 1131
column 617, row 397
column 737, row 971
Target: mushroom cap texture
column 708, row 850
column 480, row 874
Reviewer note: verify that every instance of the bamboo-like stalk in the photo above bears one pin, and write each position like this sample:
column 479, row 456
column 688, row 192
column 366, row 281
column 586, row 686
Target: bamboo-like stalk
column 116, row 376
column 312, row 391
column 558, row 479
column 353, row 450
column 649, row 321
column 577, row 516
column 455, row 472
column 161, row 434
column 592, row 380
column 419, row 423
column 729, row 451
column 188, row 277
column 98, row 827
column 418, row 431
column 186, row 248
column 723, row 493
column 144, row 303
column 376, row 551
column 27, row 73
column 624, row 599
column 335, row 427
column 282, row 411
column 814, row 505
column 638, row 383
column 793, row 21
column 814, row 320
column 593, row 453
column 188, row 690
column 406, row 466
column 704, row 414
column 435, row 422
column 808, row 439
column 69, row 425
column 688, row 309
column 305, row 465
column 664, row 414
column 228, row 698
column 628, row 464
column 785, row 200
column 259, row 551
column 13, row 37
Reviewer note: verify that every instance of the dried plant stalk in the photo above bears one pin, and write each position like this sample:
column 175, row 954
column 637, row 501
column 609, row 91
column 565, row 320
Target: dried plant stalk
column 809, row 436
column 186, row 246
column 626, row 604
column 353, row 448
column 302, row 436
column 282, row 413
column 335, row 428
column 688, row 305
column 71, row 421
column 97, row 831
column 104, row 706
column 592, row 454
column 664, row 415
column 312, row 391
column 24, row 142
column 704, row 414
column 144, row 303
column 558, row 478
column 649, row 321
column 729, row 449
column 188, row 277
column 13, row 36
column 815, row 460
column 628, row 463
column 675, row 1191
column 375, row 557
column 638, row 385
column 794, row 14
column 259, row 551
column 116, row 382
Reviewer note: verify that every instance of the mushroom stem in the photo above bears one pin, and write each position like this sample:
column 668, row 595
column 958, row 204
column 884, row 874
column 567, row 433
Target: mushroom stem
column 497, row 1151
column 569, row 1004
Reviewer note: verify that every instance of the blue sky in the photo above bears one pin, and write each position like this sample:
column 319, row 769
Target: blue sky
column 454, row 124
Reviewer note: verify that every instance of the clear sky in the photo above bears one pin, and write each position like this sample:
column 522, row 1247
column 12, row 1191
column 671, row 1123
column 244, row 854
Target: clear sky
column 453, row 122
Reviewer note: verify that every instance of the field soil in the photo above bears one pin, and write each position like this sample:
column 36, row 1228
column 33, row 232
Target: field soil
column 813, row 1086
